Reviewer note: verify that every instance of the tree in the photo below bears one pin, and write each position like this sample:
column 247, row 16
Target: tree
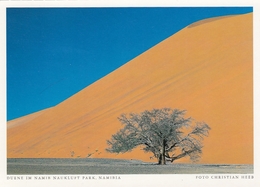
column 164, row 132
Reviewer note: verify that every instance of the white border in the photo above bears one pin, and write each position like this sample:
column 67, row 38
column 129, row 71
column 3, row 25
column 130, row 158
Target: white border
column 131, row 180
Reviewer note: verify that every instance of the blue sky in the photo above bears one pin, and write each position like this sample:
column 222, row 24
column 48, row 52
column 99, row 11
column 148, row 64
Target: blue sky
column 52, row 53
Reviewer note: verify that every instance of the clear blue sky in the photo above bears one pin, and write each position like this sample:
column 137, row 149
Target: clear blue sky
column 52, row 53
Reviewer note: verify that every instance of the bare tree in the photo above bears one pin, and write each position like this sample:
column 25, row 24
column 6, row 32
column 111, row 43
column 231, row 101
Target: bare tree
column 164, row 132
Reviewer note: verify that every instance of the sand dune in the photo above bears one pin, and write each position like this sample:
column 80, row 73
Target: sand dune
column 206, row 69
column 25, row 119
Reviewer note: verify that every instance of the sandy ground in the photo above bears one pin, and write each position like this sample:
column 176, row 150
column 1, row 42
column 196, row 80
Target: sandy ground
column 114, row 166
column 206, row 69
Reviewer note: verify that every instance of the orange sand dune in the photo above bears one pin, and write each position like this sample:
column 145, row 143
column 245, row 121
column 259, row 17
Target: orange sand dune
column 24, row 119
column 205, row 68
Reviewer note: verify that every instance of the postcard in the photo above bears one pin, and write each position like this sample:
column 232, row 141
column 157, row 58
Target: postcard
column 127, row 94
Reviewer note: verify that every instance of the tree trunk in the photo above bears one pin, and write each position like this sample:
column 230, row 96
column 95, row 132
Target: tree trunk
column 162, row 159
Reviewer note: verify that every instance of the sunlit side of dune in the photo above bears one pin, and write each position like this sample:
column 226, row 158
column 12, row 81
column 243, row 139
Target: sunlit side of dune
column 205, row 68
column 25, row 119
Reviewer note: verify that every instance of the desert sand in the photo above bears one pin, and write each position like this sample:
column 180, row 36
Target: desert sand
column 206, row 68
column 70, row 166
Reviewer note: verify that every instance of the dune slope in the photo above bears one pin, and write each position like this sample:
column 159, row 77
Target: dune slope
column 206, row 68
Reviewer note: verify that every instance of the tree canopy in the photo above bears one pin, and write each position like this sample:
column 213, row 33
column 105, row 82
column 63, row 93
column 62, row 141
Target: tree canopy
column 164, row 132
